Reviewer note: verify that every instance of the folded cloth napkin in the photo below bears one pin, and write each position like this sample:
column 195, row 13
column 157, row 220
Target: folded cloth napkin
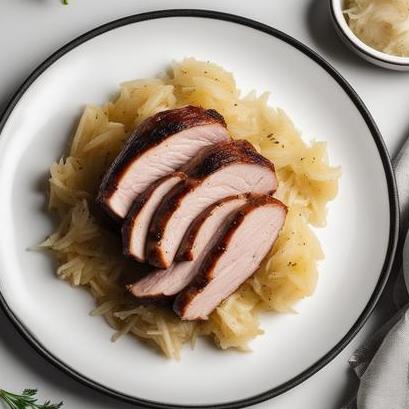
column 382, row 364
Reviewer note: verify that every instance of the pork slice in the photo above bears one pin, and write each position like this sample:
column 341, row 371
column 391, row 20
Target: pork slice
column 202, row 234
column 236, row 255
column 223, row 170
column 136, row 223
column 160, row 145
column 204, row 227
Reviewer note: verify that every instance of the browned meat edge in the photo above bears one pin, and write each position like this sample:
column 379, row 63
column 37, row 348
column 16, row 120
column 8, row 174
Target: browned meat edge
column 148, row 134
column 215, row 157
column 136, row 207
column 168, row 205
column 185, row 250
column 204, row 276
column 211, row 160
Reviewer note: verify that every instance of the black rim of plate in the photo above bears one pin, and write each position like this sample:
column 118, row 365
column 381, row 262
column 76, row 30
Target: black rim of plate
column 393, row 200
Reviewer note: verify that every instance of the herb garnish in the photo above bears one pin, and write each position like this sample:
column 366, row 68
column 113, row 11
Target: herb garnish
column 26, row 400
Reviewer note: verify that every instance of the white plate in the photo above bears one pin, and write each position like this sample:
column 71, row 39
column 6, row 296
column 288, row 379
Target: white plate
column 359, row 241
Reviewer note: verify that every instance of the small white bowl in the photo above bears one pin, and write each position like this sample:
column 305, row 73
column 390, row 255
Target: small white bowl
column 376, row 57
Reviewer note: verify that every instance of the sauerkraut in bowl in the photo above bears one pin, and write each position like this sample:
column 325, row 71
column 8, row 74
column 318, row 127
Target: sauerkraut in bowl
column 90, row 256
column 379, row 41
column 381, row 24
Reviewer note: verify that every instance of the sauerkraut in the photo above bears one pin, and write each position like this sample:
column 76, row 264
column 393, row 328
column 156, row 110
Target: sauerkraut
column 90, row 256
column 381, row 24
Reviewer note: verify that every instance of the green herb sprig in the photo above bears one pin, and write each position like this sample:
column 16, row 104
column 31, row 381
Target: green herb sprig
column 26, row 400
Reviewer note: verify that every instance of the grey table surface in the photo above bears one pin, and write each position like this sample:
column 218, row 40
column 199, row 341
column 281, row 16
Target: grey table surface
column 30, row 30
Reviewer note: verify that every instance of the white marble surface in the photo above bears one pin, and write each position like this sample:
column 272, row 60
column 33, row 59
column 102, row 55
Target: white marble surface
column 32, row 29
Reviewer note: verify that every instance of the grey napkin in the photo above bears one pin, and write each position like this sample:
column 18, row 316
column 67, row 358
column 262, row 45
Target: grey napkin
column 382, row 364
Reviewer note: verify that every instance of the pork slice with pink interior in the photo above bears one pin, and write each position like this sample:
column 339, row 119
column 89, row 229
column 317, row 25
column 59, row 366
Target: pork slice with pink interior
column 220, row 171
column 160, row 145
column 237, row 254
column 136, row 223
column 200, row 237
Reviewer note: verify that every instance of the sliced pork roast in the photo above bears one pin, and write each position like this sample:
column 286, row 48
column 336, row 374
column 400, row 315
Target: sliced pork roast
column 200, row 237
column 236, row 255
column 219, row 171
column 136, row 223
column 161, row 144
